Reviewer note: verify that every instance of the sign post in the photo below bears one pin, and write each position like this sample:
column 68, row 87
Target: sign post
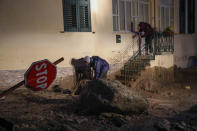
column 39, row 76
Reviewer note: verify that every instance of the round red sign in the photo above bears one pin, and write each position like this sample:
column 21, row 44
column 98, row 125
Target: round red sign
column 40, row 75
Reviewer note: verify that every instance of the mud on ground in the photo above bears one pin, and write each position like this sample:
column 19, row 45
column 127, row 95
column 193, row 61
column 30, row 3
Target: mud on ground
column 172, row 105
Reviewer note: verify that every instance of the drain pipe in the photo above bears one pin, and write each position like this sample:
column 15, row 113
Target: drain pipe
column 154, row 14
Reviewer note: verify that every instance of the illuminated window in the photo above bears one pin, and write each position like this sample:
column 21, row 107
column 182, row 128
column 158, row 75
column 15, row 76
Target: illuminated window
column 166, row 14
column 76, row 15
column 128, row 13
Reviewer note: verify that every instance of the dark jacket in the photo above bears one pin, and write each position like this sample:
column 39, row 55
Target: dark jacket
column 99, row 65
column 146, row 28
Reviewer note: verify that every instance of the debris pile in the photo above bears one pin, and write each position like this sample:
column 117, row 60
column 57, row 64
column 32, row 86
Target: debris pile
column 111, row 96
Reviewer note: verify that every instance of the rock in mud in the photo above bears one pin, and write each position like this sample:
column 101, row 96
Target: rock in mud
column 111, row 96
column 163, row 125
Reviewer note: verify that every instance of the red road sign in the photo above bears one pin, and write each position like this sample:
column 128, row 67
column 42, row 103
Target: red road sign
column 40, row 75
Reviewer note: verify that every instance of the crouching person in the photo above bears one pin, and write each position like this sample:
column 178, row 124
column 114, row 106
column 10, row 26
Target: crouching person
column 82, row 70
column 82, row 75
column 99, row 65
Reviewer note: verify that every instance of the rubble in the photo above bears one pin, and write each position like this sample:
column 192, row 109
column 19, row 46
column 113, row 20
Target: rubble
column 171, row 107
column 6, row 125
column 111, row 96
column 163, row 125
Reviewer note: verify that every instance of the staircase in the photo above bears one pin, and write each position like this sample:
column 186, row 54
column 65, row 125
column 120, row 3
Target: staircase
column 137, row 63
column 132, row 69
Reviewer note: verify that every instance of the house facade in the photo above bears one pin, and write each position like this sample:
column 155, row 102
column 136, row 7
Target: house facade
column 32, row 30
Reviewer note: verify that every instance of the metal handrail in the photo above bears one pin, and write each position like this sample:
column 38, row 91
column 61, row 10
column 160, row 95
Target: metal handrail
column 163, row 43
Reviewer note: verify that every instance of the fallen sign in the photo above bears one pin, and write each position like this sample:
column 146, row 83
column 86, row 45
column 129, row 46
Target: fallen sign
column 39, row 76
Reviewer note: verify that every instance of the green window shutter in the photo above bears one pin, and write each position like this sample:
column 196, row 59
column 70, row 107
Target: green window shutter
column 70, row 15
column 84, row 19
column 77, row 15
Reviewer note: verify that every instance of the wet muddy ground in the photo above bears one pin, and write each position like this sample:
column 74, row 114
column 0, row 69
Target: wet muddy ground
column 172, row 106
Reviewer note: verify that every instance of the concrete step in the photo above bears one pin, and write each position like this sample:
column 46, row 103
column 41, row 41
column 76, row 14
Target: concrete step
column 136, row 65
column 123, row 78
column 130, row 72
column 146, row 57
column 131, row 68
column 138, row 61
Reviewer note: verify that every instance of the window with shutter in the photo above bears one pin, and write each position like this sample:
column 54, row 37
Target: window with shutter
column 76, row 15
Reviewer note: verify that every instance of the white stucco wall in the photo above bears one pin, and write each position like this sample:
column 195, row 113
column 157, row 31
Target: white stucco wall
column 185, row 46
column 30, row 31
column 165, row 60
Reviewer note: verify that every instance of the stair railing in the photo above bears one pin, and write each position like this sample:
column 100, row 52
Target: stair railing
column 163, row 43
column 119, row 60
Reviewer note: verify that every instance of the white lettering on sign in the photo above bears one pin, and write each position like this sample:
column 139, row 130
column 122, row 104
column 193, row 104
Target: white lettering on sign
column 39, row 68
column 41, row 80
column 42, row 85
column 42, row 73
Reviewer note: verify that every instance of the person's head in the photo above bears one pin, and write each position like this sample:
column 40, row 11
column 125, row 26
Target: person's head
column 141, row 25
column 87, row 59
